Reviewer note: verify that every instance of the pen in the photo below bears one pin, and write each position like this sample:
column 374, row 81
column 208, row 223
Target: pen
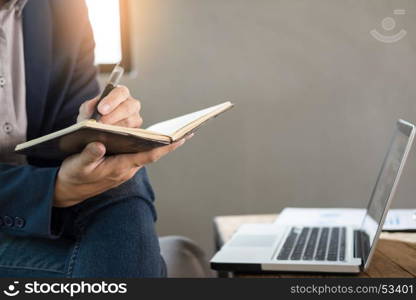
column 113, row 81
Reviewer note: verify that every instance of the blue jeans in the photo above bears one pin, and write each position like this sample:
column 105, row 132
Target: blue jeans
column 111, row 235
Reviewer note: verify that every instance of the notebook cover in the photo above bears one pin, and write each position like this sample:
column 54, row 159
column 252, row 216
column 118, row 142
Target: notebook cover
column 72, row 143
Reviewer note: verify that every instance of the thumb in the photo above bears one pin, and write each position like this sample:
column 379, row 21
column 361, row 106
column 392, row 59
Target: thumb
column 92, row 153
column 87, row 109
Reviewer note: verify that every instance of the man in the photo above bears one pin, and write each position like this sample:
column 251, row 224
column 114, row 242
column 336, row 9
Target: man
column 89, row 215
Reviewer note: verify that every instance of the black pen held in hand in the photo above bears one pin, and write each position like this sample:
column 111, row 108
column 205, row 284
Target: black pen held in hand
column 113, row 81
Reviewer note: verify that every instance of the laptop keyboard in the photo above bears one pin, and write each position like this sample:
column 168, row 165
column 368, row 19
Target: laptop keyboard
column 314, row 243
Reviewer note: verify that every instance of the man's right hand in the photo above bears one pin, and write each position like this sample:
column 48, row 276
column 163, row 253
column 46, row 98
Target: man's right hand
column 90, row 173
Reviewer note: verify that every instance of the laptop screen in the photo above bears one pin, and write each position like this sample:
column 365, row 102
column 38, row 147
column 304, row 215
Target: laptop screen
column 386, row 184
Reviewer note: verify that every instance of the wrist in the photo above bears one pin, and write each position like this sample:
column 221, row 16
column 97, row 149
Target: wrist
column 65, row 194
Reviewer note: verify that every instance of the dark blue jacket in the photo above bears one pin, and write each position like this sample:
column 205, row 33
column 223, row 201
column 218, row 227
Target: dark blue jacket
column 60, row 75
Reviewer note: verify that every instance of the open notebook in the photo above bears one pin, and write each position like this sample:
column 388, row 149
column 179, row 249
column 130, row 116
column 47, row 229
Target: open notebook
column 117, row 140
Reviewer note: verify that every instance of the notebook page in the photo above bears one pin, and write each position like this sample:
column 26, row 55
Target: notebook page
column 169, row 127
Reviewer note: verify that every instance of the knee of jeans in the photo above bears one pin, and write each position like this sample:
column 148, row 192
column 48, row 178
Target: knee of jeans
column 138, row 187
column 119, row 241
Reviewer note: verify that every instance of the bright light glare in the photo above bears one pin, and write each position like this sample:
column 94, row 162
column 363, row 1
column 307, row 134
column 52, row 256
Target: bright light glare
column 105, row 20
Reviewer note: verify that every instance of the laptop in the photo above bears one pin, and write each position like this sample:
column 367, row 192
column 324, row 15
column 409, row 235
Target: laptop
column 329, row 249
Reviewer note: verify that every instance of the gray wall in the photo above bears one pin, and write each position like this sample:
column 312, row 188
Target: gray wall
column 316, row 100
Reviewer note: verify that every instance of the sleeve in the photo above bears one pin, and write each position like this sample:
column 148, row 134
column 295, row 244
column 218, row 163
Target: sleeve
column 26, row 196
column 83, row 84
column 26, row 192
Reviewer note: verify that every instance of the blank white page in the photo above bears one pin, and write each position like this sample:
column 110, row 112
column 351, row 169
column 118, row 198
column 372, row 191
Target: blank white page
column 169, row 127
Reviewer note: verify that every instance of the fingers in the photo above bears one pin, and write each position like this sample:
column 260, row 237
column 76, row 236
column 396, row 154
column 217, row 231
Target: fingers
column 125, row 114
column 128, row 161
column 188, row 137
column 117, row 108
column 154, row 155
column 87, row 109
column 120, row 168
column 91, row 154
column 113, row 99
column 131, row 122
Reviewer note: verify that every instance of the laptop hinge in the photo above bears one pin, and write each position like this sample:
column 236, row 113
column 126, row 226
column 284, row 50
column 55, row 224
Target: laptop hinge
column 357, row 244
column 361, row 245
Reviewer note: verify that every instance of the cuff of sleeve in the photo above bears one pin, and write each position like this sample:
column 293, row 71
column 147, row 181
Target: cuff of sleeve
column 33, row 214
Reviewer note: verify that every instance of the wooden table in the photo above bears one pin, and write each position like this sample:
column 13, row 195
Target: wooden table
column 395, row 255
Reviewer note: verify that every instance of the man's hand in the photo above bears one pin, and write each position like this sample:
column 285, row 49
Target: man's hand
column 89, row 173
column 118, row 108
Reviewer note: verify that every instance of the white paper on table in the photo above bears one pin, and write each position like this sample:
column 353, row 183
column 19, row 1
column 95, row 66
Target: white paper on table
column 400, row 219
column 397, row 219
